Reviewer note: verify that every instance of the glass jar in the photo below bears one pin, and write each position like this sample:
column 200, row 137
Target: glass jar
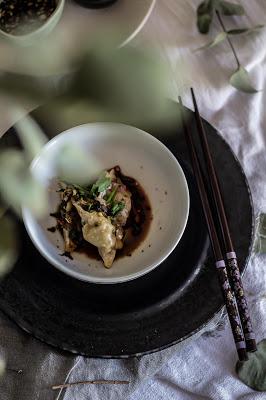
column 95, row 3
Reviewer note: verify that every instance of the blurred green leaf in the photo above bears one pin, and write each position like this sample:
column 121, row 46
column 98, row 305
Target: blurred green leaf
column 241, row 81
column 240, row 31
column 8, row 247
column 205, row 15
column 237, row 31
column 31, row 135
column 204, row 22
column 75, row 166
column 18, row 186
column 228, row 8
column 253, row 371
column 3, row 210
column 26, row 86
column 218, row 39
column 232, row 32
column 128, row 83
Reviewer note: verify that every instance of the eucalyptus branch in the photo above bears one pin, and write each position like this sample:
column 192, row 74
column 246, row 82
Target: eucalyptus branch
column 97, row 382
column 228, row 38
column 240, row 79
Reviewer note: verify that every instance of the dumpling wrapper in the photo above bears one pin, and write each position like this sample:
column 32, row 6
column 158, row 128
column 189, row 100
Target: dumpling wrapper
column 100, row 232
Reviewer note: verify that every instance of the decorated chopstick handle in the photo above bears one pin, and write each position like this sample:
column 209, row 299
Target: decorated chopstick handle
column 230, row 302
column 241, row 300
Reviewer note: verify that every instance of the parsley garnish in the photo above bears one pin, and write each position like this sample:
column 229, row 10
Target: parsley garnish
column 111, row 196
column 117, row 207
column 92, row 191
column 81, row 190
column 100, row 185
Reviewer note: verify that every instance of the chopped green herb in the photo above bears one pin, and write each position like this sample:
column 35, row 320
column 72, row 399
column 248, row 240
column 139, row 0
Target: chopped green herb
column 94, row 190
column 104, row 185
column 117, row 207
column 82, row 191
column 101, row 184
column 88, row 207
column 111, row 196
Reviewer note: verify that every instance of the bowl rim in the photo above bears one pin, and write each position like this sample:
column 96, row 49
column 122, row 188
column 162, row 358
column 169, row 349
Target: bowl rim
column 59, row 7
column 140, row 26
column 27, row 215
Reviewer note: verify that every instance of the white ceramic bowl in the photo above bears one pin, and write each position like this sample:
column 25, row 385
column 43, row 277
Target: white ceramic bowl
column 139, row 155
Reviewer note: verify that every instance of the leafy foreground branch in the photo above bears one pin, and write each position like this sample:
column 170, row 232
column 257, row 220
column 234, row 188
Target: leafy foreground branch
column 205, row 14
column 128, row 85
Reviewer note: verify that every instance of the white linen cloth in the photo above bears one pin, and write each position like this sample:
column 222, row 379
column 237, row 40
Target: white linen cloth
column 203, row 366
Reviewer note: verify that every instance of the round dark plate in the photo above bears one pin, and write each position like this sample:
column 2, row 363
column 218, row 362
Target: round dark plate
column 147, row 314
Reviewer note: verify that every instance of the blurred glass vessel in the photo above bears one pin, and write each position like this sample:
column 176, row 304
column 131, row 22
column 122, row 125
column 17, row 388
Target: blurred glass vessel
column 95, row 3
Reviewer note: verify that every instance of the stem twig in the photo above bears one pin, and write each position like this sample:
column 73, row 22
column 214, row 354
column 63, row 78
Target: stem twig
column 18, row 371
column 228, row 38
column 99, row 382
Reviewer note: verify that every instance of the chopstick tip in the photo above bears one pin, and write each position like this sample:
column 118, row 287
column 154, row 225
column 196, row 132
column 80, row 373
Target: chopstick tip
column 194, row 100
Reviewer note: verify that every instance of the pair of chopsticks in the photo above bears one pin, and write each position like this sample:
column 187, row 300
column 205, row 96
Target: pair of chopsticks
column 233, row 292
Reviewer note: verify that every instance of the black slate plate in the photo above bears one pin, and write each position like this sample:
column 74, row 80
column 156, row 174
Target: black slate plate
column 149, row 313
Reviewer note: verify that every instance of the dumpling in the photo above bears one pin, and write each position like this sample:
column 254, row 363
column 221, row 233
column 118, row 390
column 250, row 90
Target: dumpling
column 99, row 231
column 122, row 196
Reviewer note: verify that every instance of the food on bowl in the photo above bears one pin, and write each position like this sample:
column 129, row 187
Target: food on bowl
column 19, row 17
column 107, row 214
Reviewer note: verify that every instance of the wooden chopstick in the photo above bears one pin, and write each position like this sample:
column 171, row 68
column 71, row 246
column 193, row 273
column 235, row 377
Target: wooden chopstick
column 229, row 297
column 231, row 257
